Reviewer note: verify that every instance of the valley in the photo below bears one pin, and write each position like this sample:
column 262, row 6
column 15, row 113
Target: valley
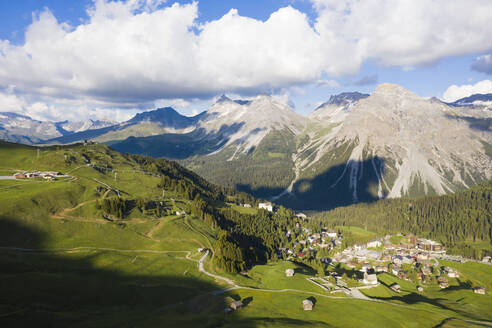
column 75, row 253
column 353, row 148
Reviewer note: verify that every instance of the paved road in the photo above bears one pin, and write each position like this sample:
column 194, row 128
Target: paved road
column 357, row 294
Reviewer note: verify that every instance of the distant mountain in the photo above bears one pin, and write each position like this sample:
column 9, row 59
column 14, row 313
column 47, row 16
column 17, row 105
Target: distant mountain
column 68, row 127
column 474, row 100
column 20, row 128
column 353, row 148
column 151, row 123
column 337, row 107
column 344, row 98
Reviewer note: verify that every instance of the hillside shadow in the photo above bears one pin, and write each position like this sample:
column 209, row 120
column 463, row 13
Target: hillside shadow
column 43, row 288
column 177, row 145
column 340, row 185
column 415, row 298
column 476, row 123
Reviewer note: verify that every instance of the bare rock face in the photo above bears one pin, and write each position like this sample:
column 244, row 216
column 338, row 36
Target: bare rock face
column 425, row 146
column 244, row 124
column 20, row 128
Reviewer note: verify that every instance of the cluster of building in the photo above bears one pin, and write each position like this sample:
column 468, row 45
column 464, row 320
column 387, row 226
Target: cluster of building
column 311, row 242
column 413, row 252
column 48, row 175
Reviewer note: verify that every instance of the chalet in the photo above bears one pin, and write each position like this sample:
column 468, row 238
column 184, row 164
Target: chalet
column 351, row 264
column 395, row 270
column 368, row 254
column 398, row 259
column 331, row 234
column 289, row 272
column 395, row 288
column 407, row 259
column 20, row 175
column 374, row 244
column 382, row 268
column 370, row 279
column 180, row 213
column 443, row 282
column 429, row 245
column 386, row 257
column 366, row 267
column 266, row 206
column 479, row 290
column 486, row 259
column 247, row 205
column 422, row 256
column 420, row 289
column 403, row 275
column 236, row 305
column 307, row 305
column 359, row 247
column 451, row 272
column 301, row 216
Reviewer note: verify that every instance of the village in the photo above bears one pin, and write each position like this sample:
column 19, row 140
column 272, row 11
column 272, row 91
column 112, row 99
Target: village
column 47, row 175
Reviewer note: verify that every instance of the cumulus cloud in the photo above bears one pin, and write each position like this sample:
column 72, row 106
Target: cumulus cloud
column 131, row 54
column 456, row 92
column 327, row 83
column 407, row 33
column 483, row 64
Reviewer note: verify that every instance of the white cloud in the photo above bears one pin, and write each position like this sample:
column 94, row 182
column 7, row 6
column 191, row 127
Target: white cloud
column 407, row 33
column 327, row 83
column 135, row 53
column 456, row 92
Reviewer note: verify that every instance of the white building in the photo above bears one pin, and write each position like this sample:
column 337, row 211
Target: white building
column 266, row 206
column 374, row 244
column 332, row 234
column 289, row 272
column 370, row 279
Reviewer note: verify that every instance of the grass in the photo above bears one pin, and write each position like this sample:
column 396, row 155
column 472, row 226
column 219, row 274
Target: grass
column 458, row 300
column 272, row 276
column 396, row 240
column 244, row 210
column 116, row 279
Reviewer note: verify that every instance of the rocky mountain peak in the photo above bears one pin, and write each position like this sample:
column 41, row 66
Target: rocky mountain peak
column 392, row 90
column 222, row 98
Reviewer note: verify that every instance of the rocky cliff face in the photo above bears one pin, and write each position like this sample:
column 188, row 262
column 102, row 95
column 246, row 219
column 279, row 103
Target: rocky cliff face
column 421, row 146
column 355, row 147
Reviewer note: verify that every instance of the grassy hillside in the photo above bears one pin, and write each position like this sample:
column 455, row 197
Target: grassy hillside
column 67, row 261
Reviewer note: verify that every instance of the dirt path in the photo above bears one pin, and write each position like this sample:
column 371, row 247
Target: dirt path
column 150, row 233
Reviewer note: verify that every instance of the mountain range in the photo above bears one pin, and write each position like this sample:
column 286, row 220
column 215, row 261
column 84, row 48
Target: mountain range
column 354, row 147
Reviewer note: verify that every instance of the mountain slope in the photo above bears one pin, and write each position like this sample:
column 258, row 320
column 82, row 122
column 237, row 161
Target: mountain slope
column 20, row 128
column 391, row 144
column 355, row 147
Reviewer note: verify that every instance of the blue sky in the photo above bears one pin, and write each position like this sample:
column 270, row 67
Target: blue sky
column 185, row 54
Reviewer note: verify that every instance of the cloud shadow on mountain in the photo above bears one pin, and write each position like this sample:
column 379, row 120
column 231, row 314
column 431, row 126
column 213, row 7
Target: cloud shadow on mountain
column 475, row 123
column 177, row 145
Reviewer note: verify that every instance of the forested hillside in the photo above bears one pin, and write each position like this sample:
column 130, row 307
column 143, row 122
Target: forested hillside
column 100, row 189
column 461, row 221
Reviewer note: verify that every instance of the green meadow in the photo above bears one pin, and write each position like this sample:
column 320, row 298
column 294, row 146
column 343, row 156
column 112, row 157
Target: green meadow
column 64, row 263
